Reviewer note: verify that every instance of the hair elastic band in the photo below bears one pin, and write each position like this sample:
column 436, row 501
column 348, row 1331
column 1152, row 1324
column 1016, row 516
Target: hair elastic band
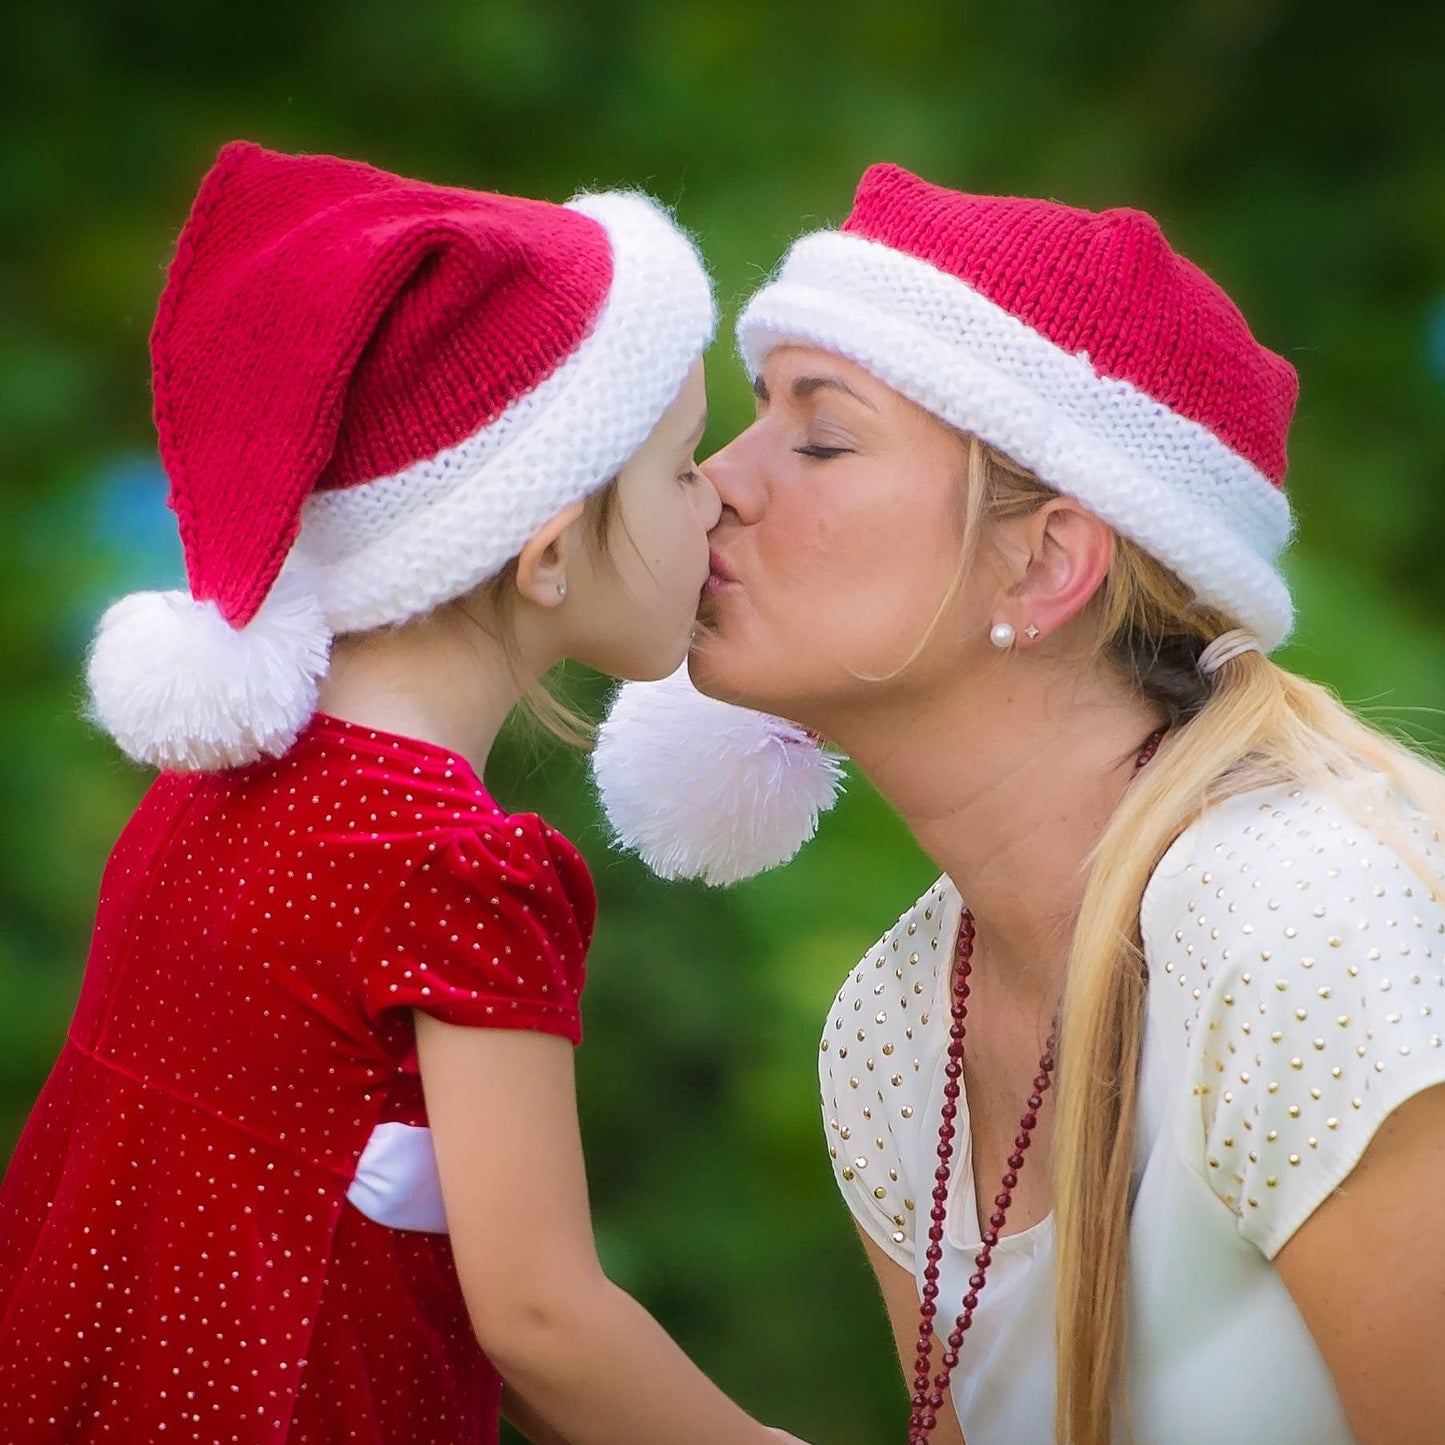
column 1226, row 647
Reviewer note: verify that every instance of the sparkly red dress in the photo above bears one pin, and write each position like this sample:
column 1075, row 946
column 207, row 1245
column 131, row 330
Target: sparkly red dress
column 179, row 1258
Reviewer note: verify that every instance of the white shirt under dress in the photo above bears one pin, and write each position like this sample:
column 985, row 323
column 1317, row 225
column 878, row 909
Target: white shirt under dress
column 1296, row 997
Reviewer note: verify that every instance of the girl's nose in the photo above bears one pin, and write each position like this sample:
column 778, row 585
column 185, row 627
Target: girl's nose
column 708, row 502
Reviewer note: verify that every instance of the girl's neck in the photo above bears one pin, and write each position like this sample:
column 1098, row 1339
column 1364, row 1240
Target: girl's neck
column 1008, row 791
column 440, row 678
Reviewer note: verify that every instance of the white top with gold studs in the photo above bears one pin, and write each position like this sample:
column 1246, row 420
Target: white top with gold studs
column 1296, row 998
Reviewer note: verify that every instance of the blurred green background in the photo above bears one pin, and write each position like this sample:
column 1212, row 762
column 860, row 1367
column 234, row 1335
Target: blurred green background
column 1295, row 150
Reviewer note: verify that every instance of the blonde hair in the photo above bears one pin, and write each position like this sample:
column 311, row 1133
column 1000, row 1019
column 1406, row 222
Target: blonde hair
column 1251, row 725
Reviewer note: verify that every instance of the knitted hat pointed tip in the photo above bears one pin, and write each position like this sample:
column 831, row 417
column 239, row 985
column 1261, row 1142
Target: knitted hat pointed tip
column 885, row 178
column 1077, row 343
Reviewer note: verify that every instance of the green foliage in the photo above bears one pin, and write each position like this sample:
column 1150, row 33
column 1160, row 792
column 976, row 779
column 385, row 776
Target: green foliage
column 1292, row 149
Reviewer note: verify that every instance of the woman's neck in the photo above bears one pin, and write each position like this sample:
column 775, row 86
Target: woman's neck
column 441, row 678
column 1009, row 796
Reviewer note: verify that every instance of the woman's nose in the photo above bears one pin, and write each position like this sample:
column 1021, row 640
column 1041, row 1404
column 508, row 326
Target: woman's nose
column 739, row 487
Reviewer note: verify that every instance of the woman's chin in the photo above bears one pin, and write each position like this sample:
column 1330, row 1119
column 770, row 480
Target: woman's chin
column 708, row 663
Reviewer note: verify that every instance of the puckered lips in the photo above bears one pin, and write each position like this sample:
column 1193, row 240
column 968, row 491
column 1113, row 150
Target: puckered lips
column 720, row 576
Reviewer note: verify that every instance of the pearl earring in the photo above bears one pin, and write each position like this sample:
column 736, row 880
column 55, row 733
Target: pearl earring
column 1001, row 634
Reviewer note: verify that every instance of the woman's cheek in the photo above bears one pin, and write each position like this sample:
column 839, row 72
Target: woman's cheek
column 804, row 535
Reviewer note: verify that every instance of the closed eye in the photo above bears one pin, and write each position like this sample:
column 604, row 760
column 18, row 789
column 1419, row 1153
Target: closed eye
column 823, row 454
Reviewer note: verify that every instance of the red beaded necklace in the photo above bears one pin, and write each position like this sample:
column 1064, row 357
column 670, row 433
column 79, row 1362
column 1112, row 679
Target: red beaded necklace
column 927, row 1402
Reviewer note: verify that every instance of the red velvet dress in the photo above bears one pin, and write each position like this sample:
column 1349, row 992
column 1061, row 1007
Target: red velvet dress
column 178, row 1258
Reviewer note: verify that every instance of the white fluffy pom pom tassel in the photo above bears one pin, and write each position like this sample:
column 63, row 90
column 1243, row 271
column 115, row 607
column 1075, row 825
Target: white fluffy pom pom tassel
column 703, row 789
column 178, row 687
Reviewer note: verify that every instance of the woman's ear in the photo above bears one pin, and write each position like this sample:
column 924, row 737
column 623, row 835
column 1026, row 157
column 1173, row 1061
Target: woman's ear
column 542, row 563
column 1069, row 551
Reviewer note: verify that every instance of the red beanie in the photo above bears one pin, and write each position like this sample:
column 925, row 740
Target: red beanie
column 1079, row 344
column 383, row 387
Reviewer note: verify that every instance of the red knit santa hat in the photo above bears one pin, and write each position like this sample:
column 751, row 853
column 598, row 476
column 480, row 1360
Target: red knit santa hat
column 370, row 392
column 1079, row 344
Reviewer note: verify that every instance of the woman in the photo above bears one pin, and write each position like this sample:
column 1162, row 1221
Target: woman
column 1006, row 527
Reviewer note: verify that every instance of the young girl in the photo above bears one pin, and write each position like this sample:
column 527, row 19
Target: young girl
column 308, row 1167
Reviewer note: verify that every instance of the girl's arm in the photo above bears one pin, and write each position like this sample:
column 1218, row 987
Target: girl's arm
column 1367, row 1272
column 900, row 1298
column 525, row 1418
column 586, row 1357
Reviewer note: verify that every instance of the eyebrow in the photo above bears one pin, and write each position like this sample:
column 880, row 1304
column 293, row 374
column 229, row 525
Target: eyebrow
column 805, row 386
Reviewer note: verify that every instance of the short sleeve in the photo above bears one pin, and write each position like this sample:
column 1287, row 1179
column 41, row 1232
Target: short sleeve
column 1324, row 951
column 491, row 931
column 874, row 1072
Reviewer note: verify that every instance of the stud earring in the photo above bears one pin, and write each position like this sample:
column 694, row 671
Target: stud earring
column 1001, row 634
column 1031, row 632
column 561, row 589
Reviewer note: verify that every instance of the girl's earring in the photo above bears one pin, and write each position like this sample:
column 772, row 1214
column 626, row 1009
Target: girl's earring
column 561, row 589
column 1001, row 634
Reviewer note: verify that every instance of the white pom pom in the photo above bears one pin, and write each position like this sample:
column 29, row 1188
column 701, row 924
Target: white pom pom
column 178, row 687
column 703, row 789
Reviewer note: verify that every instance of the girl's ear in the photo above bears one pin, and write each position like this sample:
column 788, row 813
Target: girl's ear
column 542, row 563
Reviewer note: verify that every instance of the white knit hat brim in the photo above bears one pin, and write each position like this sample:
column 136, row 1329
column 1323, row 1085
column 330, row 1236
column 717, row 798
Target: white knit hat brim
column 393, row 548
column 1161, row 479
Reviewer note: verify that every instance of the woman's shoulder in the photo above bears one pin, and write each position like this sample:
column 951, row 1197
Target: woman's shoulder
column 1296, row 852
column 1299, row 938
column 900, row 971
column 1290, row 876
column 874, row 1067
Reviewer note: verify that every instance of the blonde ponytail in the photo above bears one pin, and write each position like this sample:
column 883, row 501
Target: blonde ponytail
column 1252, row 725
